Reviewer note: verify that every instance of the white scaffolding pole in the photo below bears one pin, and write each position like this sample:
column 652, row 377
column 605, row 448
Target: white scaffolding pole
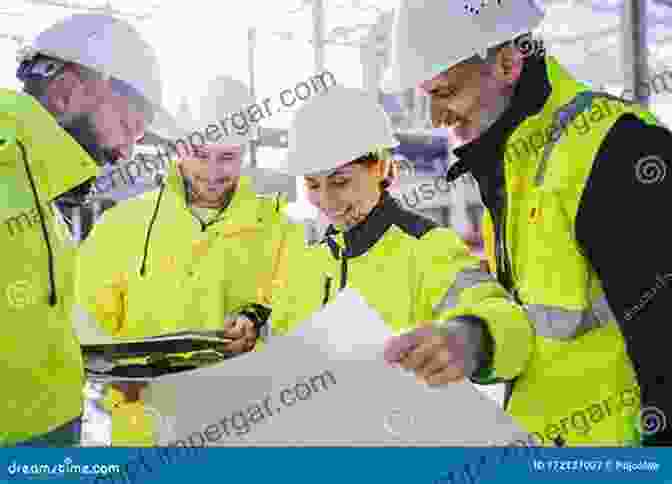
column 252, row 44
column 318, row 34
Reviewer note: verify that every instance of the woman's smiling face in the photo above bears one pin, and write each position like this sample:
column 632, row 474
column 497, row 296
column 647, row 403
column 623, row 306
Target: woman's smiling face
column 347, row 194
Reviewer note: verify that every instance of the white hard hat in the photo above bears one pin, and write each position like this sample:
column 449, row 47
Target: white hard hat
column 113, row 48
column 334, row 128
column 430, row 36
column 225, row 105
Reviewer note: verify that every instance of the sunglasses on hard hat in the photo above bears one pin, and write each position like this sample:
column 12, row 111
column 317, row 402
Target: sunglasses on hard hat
column 40, row 68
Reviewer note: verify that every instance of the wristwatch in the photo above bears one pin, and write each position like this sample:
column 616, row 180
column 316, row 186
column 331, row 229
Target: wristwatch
column 258, row 314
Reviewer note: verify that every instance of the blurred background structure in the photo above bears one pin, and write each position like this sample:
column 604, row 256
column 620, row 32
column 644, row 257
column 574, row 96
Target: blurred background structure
column 614, row 45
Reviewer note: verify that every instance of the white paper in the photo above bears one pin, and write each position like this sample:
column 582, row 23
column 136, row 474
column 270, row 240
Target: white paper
column 346, row 328
column 352, row 396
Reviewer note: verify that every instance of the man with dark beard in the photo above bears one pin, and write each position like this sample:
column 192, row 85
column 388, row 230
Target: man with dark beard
column 200, row 253
column 91, row 88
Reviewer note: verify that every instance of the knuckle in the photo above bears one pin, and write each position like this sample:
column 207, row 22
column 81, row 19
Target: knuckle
column 446, row 357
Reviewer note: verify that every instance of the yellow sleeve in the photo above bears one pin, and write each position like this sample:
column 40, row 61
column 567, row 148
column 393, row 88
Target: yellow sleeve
column 452, row 284
column 293, row 253
column 488, row 234
column 101, row 281
column 277, row 245
column 286, row 236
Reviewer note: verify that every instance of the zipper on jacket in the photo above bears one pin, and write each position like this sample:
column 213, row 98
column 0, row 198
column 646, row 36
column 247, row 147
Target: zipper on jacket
column 327, row 290
column 505, row 276
column 344, row 270
column 341, row 253
column 504, row 272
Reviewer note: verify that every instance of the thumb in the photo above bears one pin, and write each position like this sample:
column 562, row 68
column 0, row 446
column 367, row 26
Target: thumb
column 398, row 345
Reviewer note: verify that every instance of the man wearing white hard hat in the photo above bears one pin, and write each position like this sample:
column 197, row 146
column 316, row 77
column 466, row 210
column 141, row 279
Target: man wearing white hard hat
column 201, row 253
column 91, row 89
column 406, row 267
column 557, row 165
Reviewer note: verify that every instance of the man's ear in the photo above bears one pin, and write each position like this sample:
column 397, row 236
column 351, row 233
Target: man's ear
column 377, row 169
column 508, row 64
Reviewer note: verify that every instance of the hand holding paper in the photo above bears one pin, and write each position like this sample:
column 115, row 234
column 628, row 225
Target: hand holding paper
column 436, row 358
column 397, row 347
column 243, row 333
column 314, row 387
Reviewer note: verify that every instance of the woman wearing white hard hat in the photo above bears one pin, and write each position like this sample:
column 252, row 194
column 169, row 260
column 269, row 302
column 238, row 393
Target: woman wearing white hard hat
column 407, row 268
column 549, row 154
column 91, row 88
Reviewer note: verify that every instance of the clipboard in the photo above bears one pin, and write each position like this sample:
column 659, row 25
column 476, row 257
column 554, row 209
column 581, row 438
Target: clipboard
column 180, row 342
column 144, row 359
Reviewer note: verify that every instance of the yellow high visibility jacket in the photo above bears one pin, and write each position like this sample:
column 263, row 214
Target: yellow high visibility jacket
column 41, row 364
column 151, row 267
column 579, row 385
column 411, row 272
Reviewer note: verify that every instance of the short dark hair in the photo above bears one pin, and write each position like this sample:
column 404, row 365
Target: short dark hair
column 373, row 157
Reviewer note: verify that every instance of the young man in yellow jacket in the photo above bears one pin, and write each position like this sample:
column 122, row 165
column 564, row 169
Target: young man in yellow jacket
column 90, row 91
column 201, row 252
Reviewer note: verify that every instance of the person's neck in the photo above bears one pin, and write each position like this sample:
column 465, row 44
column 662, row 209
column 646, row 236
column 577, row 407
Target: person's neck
column 210, row 205
column 221, row 204
column 491, row 115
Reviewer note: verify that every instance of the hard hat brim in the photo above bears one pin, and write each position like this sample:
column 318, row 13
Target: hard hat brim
column 396, row 81
column 290, row 169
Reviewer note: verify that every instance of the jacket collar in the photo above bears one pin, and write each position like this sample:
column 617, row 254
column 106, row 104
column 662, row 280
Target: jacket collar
column 360, row 238
column 543, row 88
column 529, row 97
column 58, row 160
